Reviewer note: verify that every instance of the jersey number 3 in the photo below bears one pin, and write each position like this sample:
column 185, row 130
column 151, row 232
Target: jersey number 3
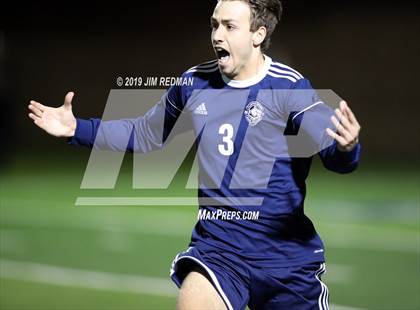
column 226, row 149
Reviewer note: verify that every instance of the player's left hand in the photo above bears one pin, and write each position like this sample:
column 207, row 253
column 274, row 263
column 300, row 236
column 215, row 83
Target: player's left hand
column 348, row 128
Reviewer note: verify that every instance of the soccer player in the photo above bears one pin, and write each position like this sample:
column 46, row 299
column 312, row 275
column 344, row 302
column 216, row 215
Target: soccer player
column 273, row 259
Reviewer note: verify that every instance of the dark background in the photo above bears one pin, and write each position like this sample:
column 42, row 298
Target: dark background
column 366, row 51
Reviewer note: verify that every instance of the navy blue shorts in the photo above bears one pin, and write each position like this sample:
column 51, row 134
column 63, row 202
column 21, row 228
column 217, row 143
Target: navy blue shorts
column 240, row 284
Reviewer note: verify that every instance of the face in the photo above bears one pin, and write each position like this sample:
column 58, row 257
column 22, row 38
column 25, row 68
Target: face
column 231, row 37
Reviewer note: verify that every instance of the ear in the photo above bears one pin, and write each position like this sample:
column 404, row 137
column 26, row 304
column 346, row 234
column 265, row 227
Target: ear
column 259, row 36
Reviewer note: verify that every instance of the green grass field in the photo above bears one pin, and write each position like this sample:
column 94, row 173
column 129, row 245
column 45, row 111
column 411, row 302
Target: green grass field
column 55, row 255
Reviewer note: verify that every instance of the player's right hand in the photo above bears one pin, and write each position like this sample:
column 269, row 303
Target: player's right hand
column 59, row 122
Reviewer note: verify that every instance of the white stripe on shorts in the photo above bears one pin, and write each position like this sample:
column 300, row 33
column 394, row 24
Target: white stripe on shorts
column 323, row 297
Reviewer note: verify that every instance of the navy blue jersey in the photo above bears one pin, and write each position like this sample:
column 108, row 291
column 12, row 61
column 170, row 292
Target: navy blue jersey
column 248, row 156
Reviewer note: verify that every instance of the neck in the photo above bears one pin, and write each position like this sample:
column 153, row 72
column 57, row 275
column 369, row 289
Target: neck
column 252, row 67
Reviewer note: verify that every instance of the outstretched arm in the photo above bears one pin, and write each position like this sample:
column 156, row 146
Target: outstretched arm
column 58, row 122
column 141, row 134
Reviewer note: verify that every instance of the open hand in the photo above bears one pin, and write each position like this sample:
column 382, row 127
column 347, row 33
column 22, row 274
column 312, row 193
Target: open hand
column 59, row 122
column 348, row 128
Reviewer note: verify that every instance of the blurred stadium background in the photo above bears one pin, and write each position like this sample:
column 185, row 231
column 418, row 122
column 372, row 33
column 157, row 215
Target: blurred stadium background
column 54, row 255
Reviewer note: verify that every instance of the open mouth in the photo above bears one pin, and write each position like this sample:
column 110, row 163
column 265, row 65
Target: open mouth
column 222, row 54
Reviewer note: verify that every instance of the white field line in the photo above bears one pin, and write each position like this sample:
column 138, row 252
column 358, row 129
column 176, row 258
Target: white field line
column 86, row 279
column 47, row 274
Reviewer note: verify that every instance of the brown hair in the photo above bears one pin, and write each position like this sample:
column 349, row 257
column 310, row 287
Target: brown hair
column 265, row 13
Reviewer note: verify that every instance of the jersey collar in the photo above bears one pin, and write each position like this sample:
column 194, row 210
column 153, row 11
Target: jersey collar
column 252, row 81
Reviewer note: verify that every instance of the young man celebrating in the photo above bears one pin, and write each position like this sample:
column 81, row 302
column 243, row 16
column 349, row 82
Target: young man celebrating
column 274, row 260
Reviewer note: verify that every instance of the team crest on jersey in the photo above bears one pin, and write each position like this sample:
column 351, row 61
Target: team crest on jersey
column 254, row 112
